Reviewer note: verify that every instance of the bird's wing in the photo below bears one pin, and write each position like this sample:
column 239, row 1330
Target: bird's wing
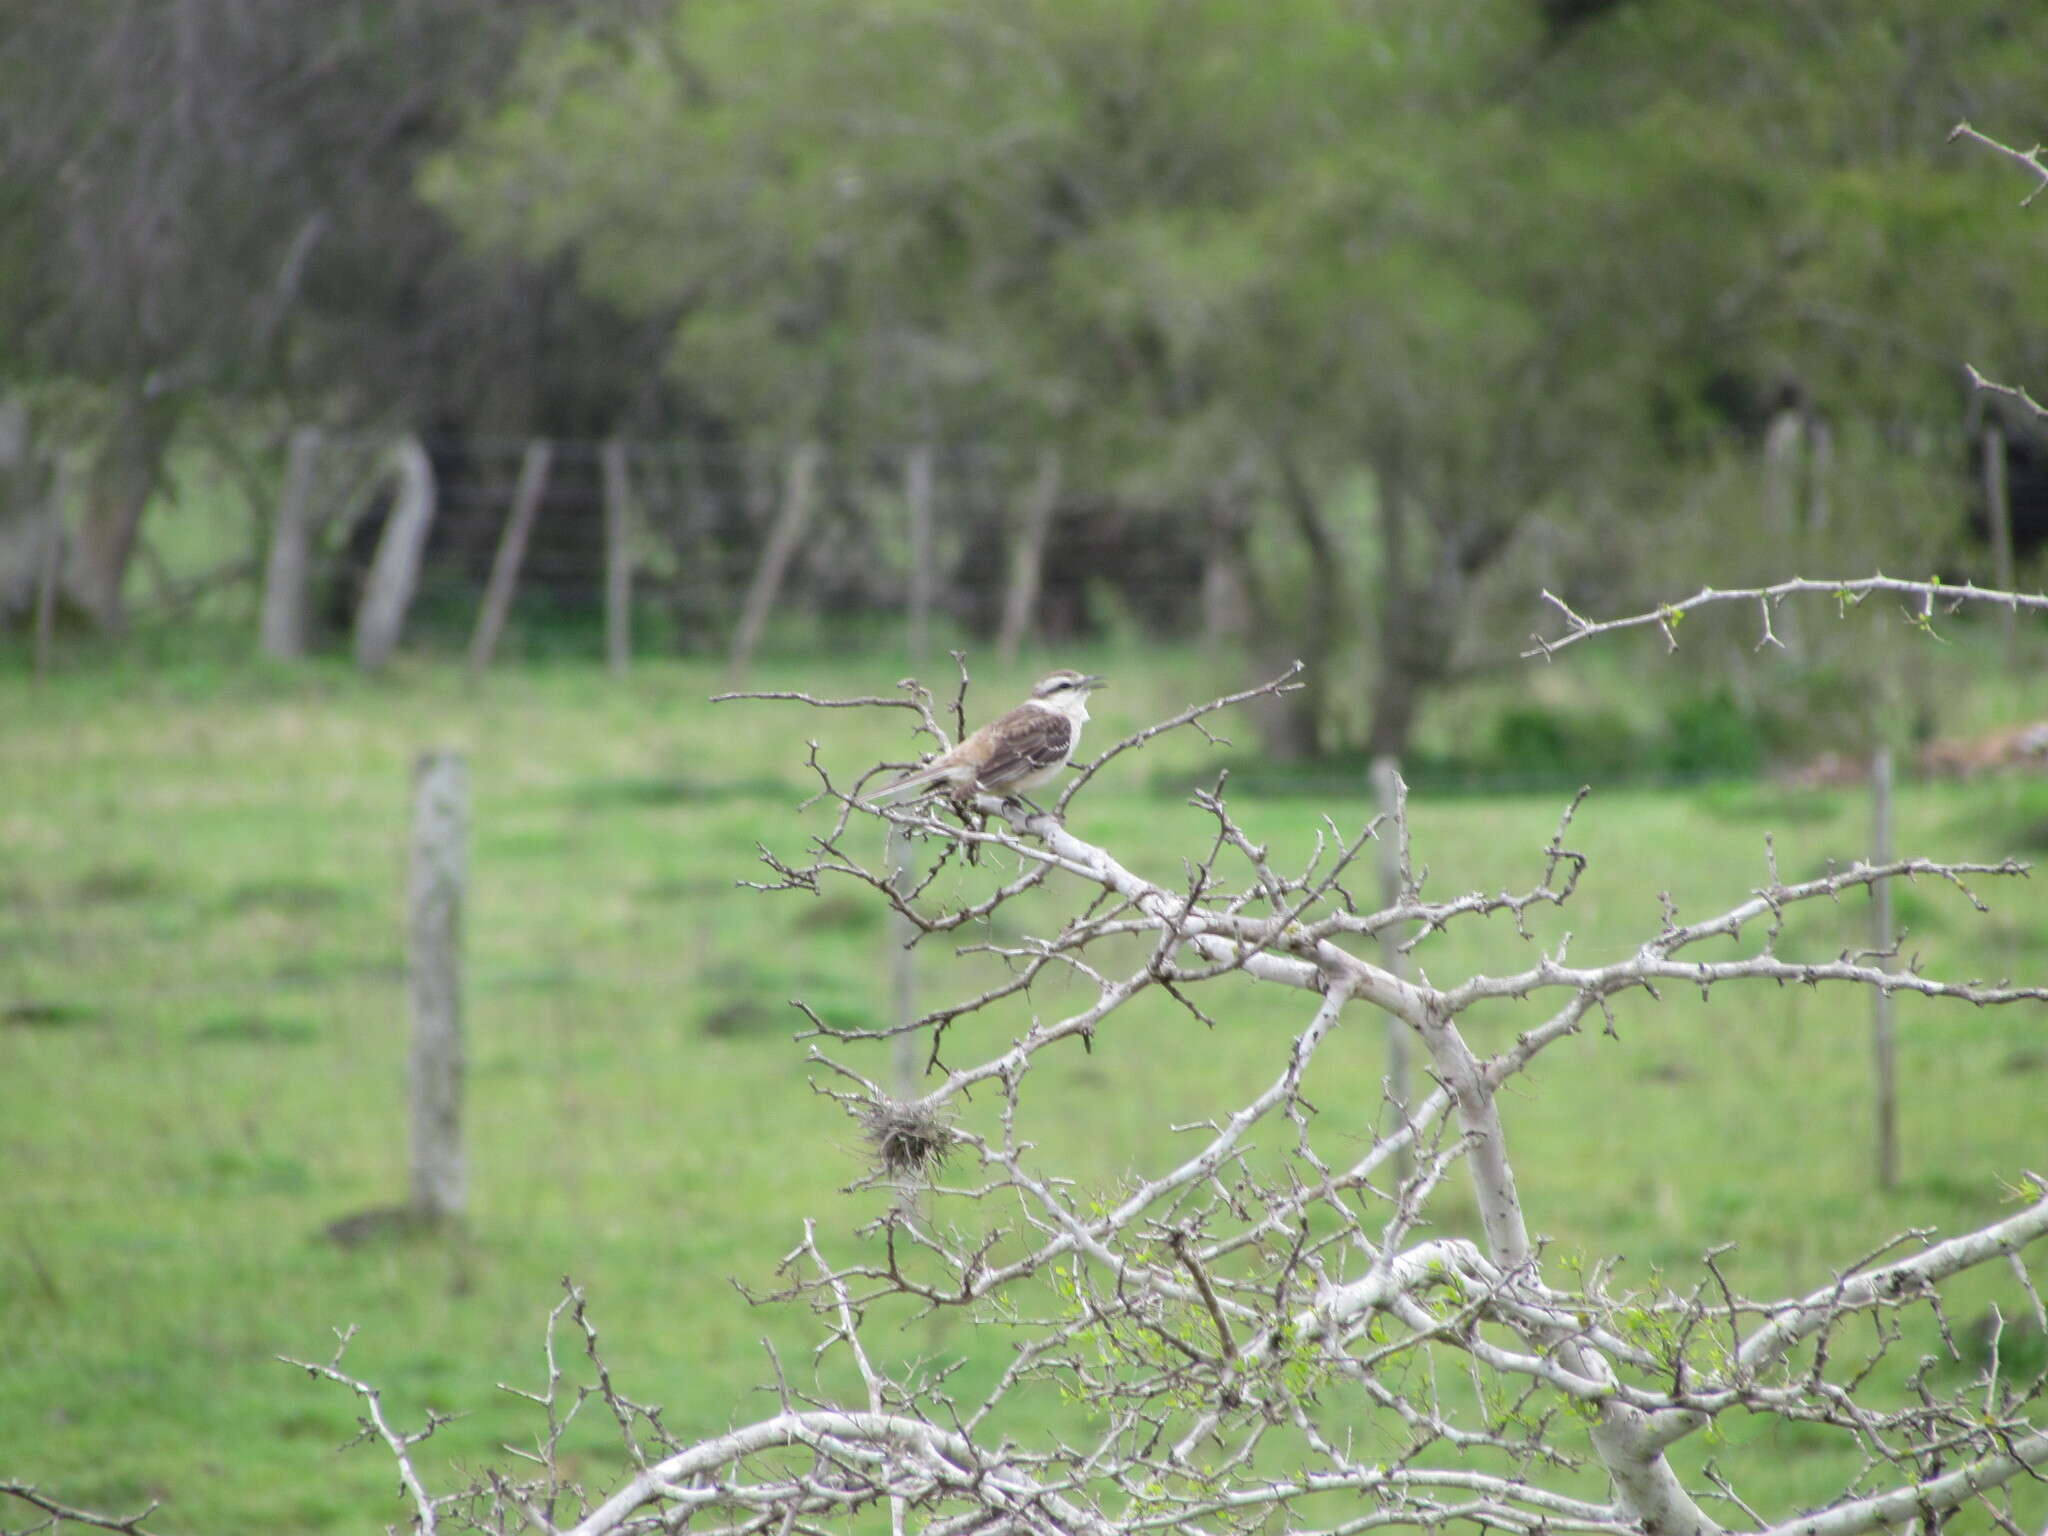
column 1025, row 741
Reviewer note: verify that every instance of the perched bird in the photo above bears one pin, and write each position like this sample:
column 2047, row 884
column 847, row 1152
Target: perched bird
column 1015, row 752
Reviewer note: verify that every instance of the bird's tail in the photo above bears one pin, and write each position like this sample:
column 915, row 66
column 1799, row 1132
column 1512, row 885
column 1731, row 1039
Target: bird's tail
column 909, row 782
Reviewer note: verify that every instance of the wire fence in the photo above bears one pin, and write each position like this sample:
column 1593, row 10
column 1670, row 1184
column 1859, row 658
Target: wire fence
column 693, row 546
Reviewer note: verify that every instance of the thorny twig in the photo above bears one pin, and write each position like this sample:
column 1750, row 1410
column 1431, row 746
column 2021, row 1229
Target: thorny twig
column 1231, row 1311
column 64, row 1514
column 2028, row 160
column 1666, row 617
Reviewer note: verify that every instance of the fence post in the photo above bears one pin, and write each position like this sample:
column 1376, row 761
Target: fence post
column 50, row 562
column 283, row 632
column 1883, row 1045
column 396, row 570
column 917, row 491
column 618, row 559
column 440, row 859
column 902, row 964
column 1392, row 796
column 526, row 498
column 790, row 520
column 1998, row 510
column 1027, row 557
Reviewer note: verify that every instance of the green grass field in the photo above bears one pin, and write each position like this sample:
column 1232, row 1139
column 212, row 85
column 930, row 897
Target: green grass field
column 203, row 1030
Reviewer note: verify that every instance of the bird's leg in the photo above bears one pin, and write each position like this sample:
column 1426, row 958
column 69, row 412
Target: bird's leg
column 1030, row 805
column 962, row 801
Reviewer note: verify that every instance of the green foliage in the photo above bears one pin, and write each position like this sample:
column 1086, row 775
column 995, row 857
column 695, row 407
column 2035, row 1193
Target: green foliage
column 1710, row 734
column 1551, row 743
column 1503, row 272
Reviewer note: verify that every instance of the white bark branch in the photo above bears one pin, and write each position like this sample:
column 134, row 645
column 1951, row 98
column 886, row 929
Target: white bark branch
column 1848, row 593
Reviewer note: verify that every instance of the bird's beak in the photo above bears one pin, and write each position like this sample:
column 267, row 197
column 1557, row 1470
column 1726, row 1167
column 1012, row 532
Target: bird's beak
column 1096, row 681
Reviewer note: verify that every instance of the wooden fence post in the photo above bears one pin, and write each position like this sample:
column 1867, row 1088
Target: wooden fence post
column 901, row 861
column 395, row 573
column 1027, row 557
column 790, row 520
column 1998, row 509
column 50, row 562
column 283, row 632
column 440, row 859
column 917, row 491
column 526, row 498
column 1392, row 796
column 1883, row 1044
column 618, row 559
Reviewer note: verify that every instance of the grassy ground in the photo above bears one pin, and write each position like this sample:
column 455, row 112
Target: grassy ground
column 202, row 1036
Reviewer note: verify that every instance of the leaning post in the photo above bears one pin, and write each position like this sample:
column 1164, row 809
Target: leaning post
column 395, row 571
column 526, row 499
column 791, row 518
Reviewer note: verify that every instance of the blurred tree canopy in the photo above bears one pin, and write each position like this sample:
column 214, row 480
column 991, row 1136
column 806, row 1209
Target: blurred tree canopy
column 209, row 205
column 1386, row 307
column 1520, row 265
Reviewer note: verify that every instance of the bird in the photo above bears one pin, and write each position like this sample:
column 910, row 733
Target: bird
column 1017, row 751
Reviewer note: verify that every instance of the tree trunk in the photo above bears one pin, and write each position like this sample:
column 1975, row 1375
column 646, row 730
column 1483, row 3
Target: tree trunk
column 1292, row 722
column 52, row 560
column 123, row 478
column 24, row 511
column 1396, row 693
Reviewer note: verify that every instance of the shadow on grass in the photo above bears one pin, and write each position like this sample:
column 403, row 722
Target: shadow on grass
column 46, row 1014
column 253, row 1029
column 659, row 790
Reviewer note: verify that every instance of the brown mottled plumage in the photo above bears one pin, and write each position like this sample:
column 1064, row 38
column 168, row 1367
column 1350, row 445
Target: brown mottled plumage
column 1015, row 752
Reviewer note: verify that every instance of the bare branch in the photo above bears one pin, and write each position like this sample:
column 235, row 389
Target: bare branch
column 400, row 1445
column 2010, row 391
column 2028, row 160
column 1221, row 1309
column 60, row 1513
column 1847, row 593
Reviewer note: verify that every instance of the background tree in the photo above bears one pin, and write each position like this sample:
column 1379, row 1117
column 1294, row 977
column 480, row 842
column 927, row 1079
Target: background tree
column 213, row 212
column 1362, row 318
column 1360, row 295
